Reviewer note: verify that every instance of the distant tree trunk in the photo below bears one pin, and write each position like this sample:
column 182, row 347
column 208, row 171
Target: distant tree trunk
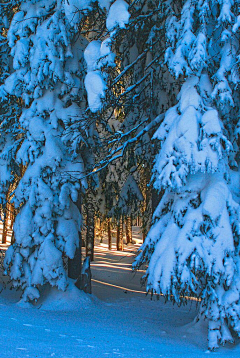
column 129, row 229
column 109, row 234
column 4, row 233
column 12, row 217
column 90, row 231
column 12, row 238
column 75, row 264
column 120, row 235
column 7, row 220
column 9, row 213
column 147, row 207
column 152, row 200
column 101, row 230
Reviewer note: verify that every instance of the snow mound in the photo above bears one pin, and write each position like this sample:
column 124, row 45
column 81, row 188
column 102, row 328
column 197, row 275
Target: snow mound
column 23, row 304
column 70, row 300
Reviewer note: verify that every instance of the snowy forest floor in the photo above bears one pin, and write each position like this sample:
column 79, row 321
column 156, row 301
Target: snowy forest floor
column 117, row 320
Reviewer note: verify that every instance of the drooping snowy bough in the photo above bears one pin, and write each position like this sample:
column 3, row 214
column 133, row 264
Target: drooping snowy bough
column 99, row 56
column 10, row 133
column 192, row 247
column 48, row 77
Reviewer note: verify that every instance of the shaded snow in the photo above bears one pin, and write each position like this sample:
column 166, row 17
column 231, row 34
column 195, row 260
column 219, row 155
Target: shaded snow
column 120, row 323
column 71, row 300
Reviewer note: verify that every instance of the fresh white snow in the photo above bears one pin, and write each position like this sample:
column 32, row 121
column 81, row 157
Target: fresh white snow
column 113, row 322
column 118, row 15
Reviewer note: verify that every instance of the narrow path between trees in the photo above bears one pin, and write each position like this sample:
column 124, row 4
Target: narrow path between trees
column 112, row 276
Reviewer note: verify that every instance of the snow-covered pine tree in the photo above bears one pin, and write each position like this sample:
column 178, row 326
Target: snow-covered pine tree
column 48, row 75
column 192, row 247
column 10, row 133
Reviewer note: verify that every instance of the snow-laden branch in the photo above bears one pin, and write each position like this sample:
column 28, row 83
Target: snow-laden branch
column 120, row 150
column 131, row 65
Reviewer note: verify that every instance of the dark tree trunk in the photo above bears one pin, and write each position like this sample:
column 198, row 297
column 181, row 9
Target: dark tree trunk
column 75, row 264
column 156, row 197
column 130, row 227
column 7, row 224
column 128, row 224
column 4, row 233
column 12, row 217
column 120, row 235
column 147, row 205
column 12, row 238
column 101, row 230
column 109, row 234
column 84, row 280
column 90, row 231
column 118, row 230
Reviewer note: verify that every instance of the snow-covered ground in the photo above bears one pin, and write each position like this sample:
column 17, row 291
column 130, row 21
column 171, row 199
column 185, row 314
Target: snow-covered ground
column 113, row 322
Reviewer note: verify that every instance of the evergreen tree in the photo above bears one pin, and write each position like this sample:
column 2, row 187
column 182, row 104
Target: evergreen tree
column 47, row 76
column 192, row 247
column 11, row 135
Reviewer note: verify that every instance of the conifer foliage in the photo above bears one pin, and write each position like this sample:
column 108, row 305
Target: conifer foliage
column 192, row 247
column 10, row 133
column 47, row 76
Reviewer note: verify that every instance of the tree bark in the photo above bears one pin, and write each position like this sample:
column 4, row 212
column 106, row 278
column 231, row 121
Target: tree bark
column 12, row 217
column 90, row 231
column 120, row 235
column 101, row 230
column 12, row 238
column 109, row 234
column 4, row 233
column 128, row 224
column 6, row 225
column 143, row 236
